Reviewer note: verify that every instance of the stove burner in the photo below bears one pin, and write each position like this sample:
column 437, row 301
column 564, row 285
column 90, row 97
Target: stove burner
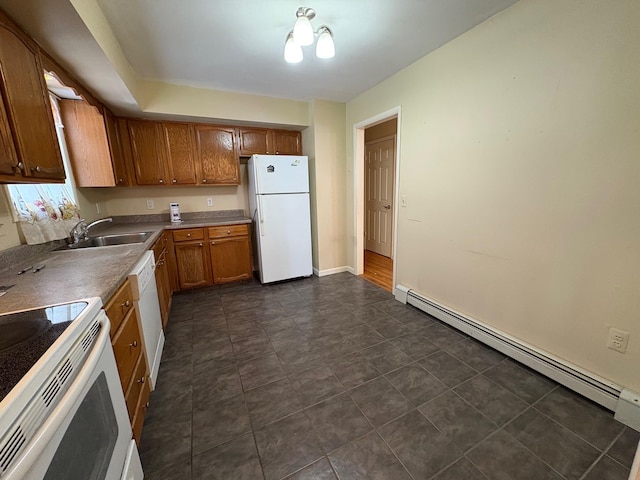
column 13, row 334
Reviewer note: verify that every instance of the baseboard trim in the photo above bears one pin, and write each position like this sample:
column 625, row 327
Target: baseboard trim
column 571, row 376
column 330, row 271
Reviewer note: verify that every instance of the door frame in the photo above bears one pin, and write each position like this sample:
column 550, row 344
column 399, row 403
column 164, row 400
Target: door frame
column 358, row 187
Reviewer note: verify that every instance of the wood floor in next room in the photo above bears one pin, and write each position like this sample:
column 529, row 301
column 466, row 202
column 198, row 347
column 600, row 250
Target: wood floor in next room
column 378, row 269
column 331, row 378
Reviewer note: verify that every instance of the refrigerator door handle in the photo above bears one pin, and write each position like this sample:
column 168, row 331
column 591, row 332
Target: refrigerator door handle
column 260, row 215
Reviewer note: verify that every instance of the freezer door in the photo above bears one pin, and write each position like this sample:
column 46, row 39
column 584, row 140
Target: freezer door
column 284, row 236
column 280, row 174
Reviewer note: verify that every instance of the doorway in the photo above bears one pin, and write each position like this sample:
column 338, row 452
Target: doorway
column 379, row 202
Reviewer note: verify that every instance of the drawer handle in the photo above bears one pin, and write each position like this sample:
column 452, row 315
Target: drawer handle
column 141, row 380
column 134, row 344
column 126, row 304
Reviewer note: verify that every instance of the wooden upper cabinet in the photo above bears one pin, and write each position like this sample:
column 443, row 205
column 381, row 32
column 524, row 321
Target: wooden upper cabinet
column 217, row 154
column 8, row 154
column 286, row 142
column 270, row 142
column 148, row 153
column 253, row 141
column 27, row 110
column 86, row 136
column 120, row 162
column 179, row 145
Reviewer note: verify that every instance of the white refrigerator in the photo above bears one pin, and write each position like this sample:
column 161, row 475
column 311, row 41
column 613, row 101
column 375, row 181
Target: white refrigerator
column 279, row 207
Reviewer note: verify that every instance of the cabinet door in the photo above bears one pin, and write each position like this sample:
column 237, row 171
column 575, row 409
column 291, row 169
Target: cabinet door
column 147, row 151
column 286, row 142
column 180, row 149
column 217, row 155
column 253, row 141
column 230, row 259
column 167, row 238
column 8, row 155
column 121, row 171
column 192, row 259
column 86, row 137
column 162, row 282
column 27, row 105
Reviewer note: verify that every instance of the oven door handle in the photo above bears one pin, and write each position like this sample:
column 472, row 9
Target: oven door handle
column 53, row 422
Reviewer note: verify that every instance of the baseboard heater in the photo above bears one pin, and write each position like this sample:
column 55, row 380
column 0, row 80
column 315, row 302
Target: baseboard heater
column 585, row 383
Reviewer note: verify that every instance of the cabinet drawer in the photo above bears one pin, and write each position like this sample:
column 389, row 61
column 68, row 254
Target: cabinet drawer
column 136, row 384
column 141, row 411
column 126, row 347
column 188, row 234
column 228, row 231
column 120, row 304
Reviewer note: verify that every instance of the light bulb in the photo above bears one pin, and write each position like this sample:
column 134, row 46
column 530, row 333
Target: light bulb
column 292, row 51
column 303, row 31
column 325, row 47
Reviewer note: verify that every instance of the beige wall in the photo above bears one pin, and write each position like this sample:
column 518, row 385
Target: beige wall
column 328, row 179
column 309, row 149
column 519, row 157
column 133, row 201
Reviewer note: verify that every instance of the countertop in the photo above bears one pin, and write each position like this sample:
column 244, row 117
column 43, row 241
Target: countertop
column 71, row 275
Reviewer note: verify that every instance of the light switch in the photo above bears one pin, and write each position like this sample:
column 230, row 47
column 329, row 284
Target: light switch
column 403, row 200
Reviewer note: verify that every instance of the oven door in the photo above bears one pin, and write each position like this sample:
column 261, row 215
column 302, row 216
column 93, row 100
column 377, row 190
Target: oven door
column 88, row 433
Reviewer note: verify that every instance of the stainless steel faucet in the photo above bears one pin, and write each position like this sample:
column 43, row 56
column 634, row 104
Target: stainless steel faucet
column 80, row 230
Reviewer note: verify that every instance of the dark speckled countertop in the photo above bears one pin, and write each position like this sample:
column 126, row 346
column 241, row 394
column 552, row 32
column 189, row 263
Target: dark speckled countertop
column 71, row 275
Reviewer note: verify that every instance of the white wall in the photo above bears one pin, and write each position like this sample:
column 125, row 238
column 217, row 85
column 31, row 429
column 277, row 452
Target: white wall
column 520, row 160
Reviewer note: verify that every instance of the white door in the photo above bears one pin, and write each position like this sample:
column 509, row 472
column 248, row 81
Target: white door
column 379, row 180
column 281, row 174
column 284, row 236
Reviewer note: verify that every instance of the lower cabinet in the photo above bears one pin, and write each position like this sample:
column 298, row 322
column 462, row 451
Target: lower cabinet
column 126, row 340
column 163, row 282
column 230, row 250
column 214, row 255
column 192, row 259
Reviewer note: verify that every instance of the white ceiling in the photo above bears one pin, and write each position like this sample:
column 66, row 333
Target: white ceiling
column 237, row 45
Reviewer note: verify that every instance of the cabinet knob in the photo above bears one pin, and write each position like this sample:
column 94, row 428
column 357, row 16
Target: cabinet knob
column 38, row 169
column 19, row 166
column 126, row 304
column 146, row 405
column 134, row 344
column 188, row 234
column 200, row 244
column 228, row 232
column 121, row 180
column 174, row 181
column 161, row 181
column 141, row 380
column 204, row 180
column 213, row 243
column 277, row 152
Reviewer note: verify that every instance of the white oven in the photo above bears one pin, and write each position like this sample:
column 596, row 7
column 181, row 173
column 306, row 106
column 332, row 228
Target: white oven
column 66, row 418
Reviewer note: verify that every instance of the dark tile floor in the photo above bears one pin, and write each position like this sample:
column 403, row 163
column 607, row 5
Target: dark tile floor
column 332, row 378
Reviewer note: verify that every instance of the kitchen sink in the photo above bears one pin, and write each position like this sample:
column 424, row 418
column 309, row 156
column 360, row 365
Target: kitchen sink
column 108, row 240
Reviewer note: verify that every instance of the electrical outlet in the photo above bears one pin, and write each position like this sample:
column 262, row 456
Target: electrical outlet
column 209, row 202
column 403, row 200
column 618, row 340
column 150, row 205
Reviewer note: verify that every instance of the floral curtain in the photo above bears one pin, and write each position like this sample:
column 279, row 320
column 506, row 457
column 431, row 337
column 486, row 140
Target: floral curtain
column 44, row 212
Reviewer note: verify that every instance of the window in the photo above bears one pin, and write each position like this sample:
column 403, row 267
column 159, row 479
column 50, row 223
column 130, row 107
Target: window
column 46, row 212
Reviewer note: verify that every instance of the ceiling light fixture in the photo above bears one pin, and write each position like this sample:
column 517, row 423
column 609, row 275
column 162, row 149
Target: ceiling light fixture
column 303, row 35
